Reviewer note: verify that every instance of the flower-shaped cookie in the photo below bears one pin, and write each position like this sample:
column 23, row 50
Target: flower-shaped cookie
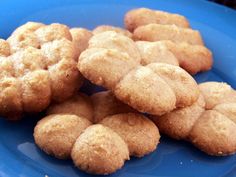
column 113, row 61
column 209, row 124
column 37, row 66
column 100, row 148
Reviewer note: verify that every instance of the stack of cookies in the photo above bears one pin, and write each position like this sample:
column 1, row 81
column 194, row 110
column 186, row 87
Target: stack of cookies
column 147, row 70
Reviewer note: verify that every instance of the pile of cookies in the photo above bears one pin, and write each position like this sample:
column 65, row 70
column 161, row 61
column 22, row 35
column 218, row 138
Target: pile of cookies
column 146, row 68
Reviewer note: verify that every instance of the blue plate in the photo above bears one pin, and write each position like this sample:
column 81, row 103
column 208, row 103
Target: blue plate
column 19, row 157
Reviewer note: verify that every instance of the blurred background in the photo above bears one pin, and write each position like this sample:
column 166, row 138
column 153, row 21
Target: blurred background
column 229, row 3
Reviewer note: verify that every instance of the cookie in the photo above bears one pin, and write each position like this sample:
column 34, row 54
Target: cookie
column 114, row 40
column 57, row 133
column 29, row 86
column 143, row 16
column 79, row 105
column 214, row 133
column 94, row 146
column 140, row 134
column 216, row 93
column 103, row 28
column 155, row 52
column 99, row 150
column 209, row 124
column 192, row 58
column 178, row 123
column 157, row 32
column 111, row 61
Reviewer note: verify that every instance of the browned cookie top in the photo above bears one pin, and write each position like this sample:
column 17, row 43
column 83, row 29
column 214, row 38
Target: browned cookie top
column 38, row 66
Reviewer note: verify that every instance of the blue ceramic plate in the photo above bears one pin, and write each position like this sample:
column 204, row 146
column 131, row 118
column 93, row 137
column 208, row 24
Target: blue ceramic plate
column 19, row 157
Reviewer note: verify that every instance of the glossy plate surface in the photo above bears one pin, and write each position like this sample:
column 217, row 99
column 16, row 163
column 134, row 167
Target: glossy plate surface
column 19, row 157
